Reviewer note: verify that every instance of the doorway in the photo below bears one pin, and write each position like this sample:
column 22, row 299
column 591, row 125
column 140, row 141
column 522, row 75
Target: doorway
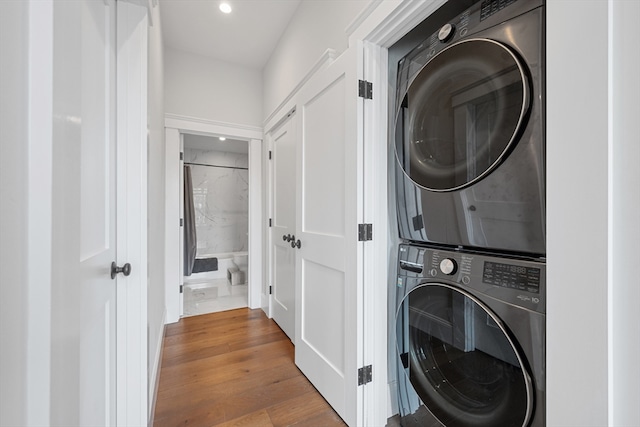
column 216, row 212
column 199, row 136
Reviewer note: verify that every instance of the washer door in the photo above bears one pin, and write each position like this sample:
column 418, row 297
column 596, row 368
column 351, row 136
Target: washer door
column 461, row 114
column 460, row 359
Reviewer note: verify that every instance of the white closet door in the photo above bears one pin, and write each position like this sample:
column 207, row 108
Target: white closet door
column 84, row 214
column 329, row 308
column 283, row 162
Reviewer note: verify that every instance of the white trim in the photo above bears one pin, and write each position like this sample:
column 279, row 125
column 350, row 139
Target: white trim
column 283, row 118
column 278, row 119
column 195, row 125
column 39, row 213
column 256, row 222
column 327, row 58
column 131, row 325
column 154, row 377
column 624, row 203
column 267, row 187
column 173, row 245
column 361, row 17
column 148, row 4
column 393, row 19
column 610, row 216
column 375, row 212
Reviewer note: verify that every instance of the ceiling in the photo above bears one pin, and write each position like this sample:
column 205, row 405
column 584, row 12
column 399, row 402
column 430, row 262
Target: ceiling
column 247, row 36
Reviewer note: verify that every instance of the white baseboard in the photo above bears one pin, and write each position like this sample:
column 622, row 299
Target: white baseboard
column 154, row 376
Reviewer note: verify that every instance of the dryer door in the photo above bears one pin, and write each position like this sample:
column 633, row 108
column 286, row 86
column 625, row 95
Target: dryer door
column 461, row 360
column 461, row 114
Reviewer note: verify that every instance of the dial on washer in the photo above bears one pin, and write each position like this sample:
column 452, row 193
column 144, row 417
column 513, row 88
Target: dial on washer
column 448, row 266
column 446, row 32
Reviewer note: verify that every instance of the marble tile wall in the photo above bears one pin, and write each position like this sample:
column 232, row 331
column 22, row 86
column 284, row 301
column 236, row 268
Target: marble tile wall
column 221, row 200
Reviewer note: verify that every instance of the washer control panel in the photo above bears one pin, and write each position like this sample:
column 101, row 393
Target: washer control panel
column 514, row 280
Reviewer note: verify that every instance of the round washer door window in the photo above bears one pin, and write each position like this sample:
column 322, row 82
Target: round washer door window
column 461, row 114
column 461, row 361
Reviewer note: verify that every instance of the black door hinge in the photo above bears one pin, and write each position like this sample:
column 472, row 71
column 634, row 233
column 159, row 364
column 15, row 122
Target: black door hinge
column 181, row 286
column 269, row 154
column 270, row 222
column 365, row 232
column 365, row 89
column 364, row 375
column 181, row 156
column 181, row 222
column 270, row 289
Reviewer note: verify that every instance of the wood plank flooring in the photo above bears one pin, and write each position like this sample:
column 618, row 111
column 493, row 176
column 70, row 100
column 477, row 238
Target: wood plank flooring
column 234, row 368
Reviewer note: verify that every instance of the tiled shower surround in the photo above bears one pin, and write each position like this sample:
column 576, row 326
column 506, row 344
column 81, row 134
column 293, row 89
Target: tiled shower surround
column 221, row 200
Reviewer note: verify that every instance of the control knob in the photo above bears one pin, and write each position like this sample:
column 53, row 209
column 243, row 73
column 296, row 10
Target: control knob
column 446, row 32
column 448, row 266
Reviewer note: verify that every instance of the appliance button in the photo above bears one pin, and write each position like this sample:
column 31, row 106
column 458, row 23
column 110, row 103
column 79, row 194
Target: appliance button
column 466, row 280
column 433, row 272
column 446, row 33
column 448, row 266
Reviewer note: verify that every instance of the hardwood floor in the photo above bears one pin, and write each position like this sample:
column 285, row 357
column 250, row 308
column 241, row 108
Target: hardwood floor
column 234, row 368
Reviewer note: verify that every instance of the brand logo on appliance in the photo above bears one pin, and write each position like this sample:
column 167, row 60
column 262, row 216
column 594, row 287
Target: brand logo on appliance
column 529, row 299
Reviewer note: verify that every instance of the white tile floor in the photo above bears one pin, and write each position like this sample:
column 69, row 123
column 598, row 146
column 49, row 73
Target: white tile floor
column 213, row 296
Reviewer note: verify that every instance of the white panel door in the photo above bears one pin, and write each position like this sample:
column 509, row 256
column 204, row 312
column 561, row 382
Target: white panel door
column 283, row 229
column 329, row 310
column 84, row 208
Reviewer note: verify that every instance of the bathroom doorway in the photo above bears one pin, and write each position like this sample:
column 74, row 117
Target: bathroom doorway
column 216, row 223
column 207, row 136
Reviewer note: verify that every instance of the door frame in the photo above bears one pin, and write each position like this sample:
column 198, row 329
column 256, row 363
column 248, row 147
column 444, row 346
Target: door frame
column 175, row 127
column 131, row 121
column 378, row 28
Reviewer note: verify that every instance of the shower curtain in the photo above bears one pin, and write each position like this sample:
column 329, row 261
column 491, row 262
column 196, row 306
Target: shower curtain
column 190, row 242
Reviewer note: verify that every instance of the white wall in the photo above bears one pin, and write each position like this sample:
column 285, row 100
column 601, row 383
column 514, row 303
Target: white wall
column 315, row 27
column 200, row 87
column 155, row 200
column 14, row 27
column 593, row 199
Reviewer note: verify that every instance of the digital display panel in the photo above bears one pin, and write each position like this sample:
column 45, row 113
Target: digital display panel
column 512, row 276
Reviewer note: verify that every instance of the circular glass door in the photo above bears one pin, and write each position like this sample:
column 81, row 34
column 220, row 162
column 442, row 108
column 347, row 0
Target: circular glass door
column 461, row 360
column 461, row 114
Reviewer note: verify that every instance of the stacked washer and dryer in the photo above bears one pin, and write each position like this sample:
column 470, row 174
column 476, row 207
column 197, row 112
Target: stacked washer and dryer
column 468, row 321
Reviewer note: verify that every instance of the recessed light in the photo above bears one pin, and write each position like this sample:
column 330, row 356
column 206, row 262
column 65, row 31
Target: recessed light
column 222, row 138
column 225, row 7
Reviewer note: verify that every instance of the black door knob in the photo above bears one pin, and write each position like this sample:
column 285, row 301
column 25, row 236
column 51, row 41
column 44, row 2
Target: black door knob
column 296, row 244
column 125, row 269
